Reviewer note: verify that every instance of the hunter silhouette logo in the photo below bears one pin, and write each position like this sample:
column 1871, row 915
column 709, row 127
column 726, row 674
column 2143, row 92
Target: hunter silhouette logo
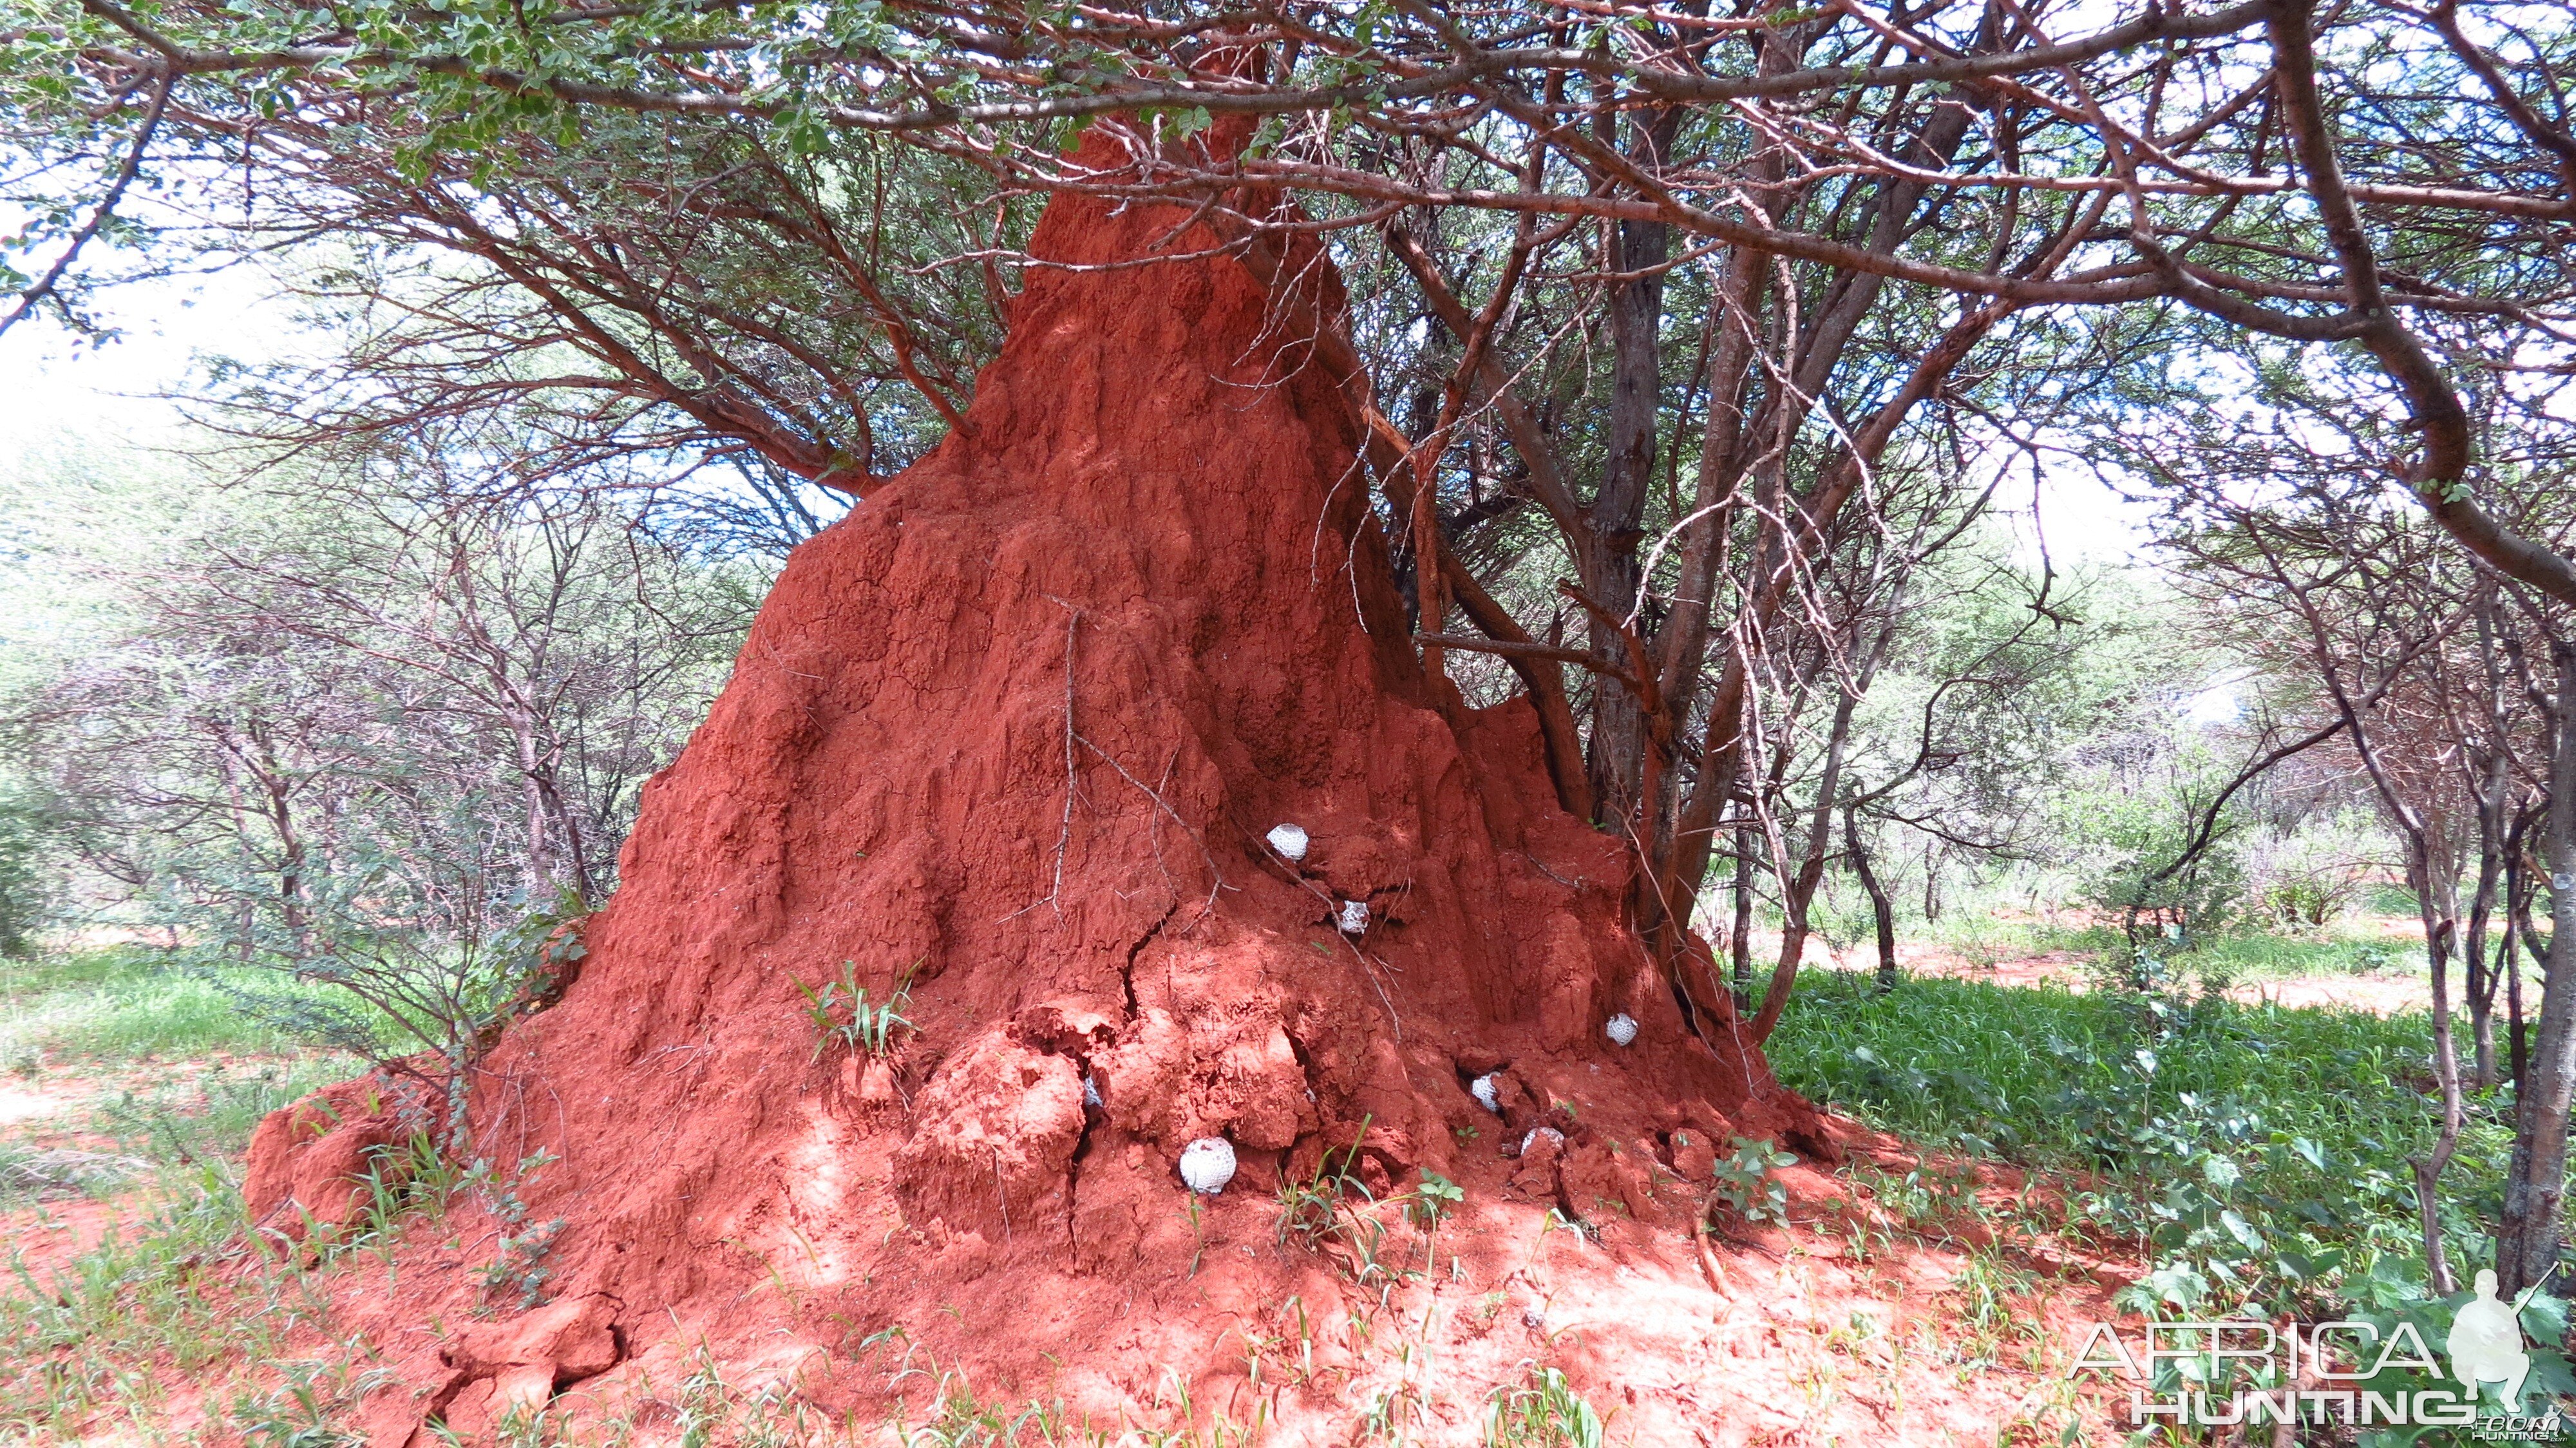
column 2485, row 1344
column 2207, row 1369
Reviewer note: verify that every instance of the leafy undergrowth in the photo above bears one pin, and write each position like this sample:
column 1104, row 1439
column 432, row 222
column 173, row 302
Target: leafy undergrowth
column 2254, row 1159
column 2256, row 1155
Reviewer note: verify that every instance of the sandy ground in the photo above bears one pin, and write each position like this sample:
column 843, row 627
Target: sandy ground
column 48, row 1119
column 2381, row 993
column 1849, row 1325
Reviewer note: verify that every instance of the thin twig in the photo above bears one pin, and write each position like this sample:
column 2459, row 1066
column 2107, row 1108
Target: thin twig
column 1216, row 876
column 125, row 173
column 1064, row 833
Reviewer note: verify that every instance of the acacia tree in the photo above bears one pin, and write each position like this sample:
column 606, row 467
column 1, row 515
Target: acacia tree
column 642, row 291
column 289, row 698
column 2437, row 676
column 2342, row 585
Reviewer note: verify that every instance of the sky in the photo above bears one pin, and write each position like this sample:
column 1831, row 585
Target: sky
column 54, row 386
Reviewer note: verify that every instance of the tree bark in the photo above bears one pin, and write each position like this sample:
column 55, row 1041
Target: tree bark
column 2527, row 1238
column 1740, row 939
column 1617, row 764
column 1797, row 893
column 1880, row 908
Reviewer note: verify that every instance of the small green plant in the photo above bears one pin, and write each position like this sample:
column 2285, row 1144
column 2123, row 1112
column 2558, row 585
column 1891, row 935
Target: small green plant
column 290, row 1418
column 844, row 1016
column 1927, row 1202
column 1991, row 1292
column 1335, row 1209
column 1434, row 1199
column 1322, row 1215
column 518, row 1273
column 299, row 1413
column 1748, row 1182
column 398, row 1180
column 1544, row 1411
column 1308, row 1210
column 525, row 1426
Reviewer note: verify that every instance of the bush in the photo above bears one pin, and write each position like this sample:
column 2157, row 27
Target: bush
column 25, row 887
column 406, row 962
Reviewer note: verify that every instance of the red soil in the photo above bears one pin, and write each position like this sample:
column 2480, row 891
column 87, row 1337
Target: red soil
column 1152, row 536
column 46, row 1238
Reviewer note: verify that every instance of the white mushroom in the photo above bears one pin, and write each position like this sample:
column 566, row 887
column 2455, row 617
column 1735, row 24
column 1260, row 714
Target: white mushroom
column 1622, row 1029
column 1289, row 841
column 1354, row 917
column 1483, row 1088
column 1550, row 1132
column 1207, row 1164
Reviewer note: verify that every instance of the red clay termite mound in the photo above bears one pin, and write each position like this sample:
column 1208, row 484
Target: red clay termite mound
column 1014, row 731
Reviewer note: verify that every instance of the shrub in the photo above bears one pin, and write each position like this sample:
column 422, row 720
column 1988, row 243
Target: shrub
column 1748, row 1182
column 417, row 964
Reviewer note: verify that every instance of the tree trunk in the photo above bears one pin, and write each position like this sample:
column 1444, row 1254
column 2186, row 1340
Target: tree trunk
column 2479, row 976
column 1619, row 726
column 1882, row 912
column 1797, row 892
column 1739, row 940
column 2446, row 1072
column 2527, row 1237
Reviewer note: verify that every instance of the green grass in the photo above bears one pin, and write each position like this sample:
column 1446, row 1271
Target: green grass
column 2254, row 1155
column 124, row 1005
column 2390, row 900
column 2277, row 957
column 1544, row 1412
column 210, row 1116
column 88, row 1338
column 2243, row 955
column 1995, row 1068
column 118, row 1010
column 176, row 1293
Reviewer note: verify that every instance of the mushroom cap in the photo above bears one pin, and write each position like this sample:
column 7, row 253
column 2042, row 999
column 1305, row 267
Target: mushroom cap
column 1207, row 1164
column 1484, row 1089
column 1289, row 840
column 1622, row 1029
